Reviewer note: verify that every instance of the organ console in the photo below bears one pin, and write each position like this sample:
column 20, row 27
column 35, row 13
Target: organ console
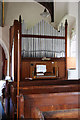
column 43, row 70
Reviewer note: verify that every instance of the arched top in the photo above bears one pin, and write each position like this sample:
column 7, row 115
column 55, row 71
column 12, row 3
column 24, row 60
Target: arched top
column 43, row 28
column 71, row 22
column 4, row 48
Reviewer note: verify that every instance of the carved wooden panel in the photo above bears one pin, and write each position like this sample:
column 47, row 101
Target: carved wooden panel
column 25, row 70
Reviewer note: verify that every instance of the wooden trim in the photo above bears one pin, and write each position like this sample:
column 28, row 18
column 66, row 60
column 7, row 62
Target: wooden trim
column 18, row 73
column 16, row 28
column 40, row 59
column 11, row 36
column 19, row 65
column 50, row 7
column 20, row 32
column 21, row 105
column 10, row 52
column 2, row 13
column 4, row 69
column 66, row 73
column 42, row 36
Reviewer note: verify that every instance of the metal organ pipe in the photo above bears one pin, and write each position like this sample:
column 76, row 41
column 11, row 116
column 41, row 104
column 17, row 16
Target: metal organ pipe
column 44, row 47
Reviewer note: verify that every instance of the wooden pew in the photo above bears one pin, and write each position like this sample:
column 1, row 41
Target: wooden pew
column 38, row 88
column 56, row 115
column 43, row 82
column 42, row 89
column 48, row 102
column 62, row 114
column 38, row 83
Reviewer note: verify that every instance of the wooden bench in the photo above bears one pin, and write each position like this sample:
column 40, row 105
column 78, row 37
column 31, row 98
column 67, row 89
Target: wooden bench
column 43, row 91
column 62, row 114
column 47, row 102
column 27, row 88
column 38, row 83
column 56, row 115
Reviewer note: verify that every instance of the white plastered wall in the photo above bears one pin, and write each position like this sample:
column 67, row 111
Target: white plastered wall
column 73, row 11
column 4, row 43
column 78, row 42
column 72, row 18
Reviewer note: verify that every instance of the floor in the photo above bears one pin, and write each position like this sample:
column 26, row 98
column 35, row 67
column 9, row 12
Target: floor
column 2, row 114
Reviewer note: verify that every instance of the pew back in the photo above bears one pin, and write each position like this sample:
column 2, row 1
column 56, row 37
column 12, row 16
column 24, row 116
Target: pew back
column 38, row 88
column 48, row 102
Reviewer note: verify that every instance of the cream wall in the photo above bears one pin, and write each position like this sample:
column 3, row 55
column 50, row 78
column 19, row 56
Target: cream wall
column 4, row 39
column 0, row 32
column 30, row 12
column 73, row 11
column 4, row 42
column 72, row 18
column 78, row 40
column 5, row 36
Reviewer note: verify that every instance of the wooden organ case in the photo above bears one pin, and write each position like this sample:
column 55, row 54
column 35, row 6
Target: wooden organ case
column 33, row 62
column 41, row 46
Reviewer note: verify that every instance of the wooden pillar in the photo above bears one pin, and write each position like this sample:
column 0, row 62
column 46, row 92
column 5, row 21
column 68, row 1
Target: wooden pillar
column 18, row 74
column 66, row 73
column 16, row 28
column 4, row 65
column 2, row 13
column 10, row 52
column 11, row 38
column 19, row 64
column 15, row 34
column 20, row 32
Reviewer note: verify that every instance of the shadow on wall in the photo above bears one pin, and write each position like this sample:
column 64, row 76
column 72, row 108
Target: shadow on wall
column 6, row 53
